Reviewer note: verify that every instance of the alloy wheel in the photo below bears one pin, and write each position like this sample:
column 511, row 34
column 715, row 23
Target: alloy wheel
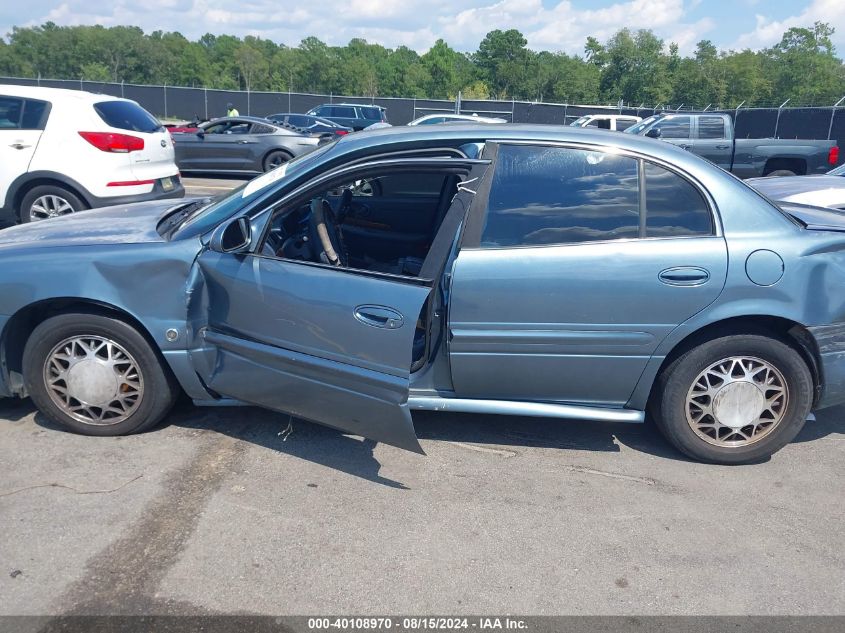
column 49, row 206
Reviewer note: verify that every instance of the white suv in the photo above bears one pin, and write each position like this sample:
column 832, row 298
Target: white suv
column 65, row 150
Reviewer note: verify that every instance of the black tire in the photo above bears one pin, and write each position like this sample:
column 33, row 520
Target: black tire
column 668, row 402
column 160, row 389
column 275, row 159
column 25, row 211
column 780, row 172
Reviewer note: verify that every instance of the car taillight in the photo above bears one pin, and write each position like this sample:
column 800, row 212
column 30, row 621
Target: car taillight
column 341, row 132
column 112, row 142
column 833, row 155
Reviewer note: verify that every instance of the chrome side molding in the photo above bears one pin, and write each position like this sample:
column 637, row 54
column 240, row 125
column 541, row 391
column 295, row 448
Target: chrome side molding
column 533, row 409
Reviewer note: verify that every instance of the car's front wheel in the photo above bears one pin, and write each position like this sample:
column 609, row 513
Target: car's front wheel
column 733, row 400
column 48, row 201
column 96, row 375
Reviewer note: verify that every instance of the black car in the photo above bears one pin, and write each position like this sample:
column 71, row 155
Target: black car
column 353, row 115
column 240, row 145
column 310, row 124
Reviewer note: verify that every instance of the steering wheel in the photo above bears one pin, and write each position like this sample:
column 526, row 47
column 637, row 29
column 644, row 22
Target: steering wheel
column 345, row 205
column 323, row 226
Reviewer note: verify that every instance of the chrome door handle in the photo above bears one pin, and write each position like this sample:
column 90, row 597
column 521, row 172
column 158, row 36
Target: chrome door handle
column 245, row 142
column 685, row 146
column 379, row 316
column 19, row 145
column 723, row 147
column 684, row 276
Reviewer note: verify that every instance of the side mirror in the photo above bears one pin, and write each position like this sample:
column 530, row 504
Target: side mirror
column 654, row 133
column 200, row 134
column 234, row 236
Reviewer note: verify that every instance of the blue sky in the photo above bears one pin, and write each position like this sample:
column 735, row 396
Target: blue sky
column 561, row 25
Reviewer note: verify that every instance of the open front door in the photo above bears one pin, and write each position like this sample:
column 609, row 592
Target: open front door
column 329, row 344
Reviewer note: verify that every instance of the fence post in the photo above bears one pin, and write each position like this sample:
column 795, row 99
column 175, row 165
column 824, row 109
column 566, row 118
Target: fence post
column 565, row 109
column 165, row 100
column 205, row 98
column 122, row 96
column 248, row 103
column 777, row 120
column 833, row 114
column 39, row 79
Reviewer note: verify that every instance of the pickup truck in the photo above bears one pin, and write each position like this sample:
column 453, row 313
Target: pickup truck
column 711, row 136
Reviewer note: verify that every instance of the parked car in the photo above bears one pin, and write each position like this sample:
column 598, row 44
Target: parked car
column 712, row 136
column 351, row 115
column 820, row 191
column 310, row 124
column 63, row 151
column 240, row 145
column 438, row 269
column 615, row 122
column 434, row 119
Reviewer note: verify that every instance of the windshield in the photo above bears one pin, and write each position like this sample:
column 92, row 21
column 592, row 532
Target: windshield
column 580, row 122
column 839, row 171
column 207, row 217
column 639, row 127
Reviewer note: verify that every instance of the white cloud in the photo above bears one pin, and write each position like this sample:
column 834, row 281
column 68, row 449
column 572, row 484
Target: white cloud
column 768, row 32
column 561, row 26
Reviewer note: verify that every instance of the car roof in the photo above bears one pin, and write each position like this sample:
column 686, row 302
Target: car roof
column 360, row 105
column 248, row 118
column 55, row 94
column 401, row 138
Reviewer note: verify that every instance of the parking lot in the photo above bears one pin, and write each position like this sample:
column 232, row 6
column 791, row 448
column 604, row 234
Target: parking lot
column 246, row 511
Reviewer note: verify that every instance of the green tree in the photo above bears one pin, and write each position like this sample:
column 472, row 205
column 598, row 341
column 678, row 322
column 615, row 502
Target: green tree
column 502, row 60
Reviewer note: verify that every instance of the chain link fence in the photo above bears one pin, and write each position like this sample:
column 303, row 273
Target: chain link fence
column 176, row 102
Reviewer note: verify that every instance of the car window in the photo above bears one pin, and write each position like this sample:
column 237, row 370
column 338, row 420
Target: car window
column 712, row 127
column 553, row 195
column 299, row 120
column 127, row 115
column 34, row 115
column 258, row 128
column 433, row 120
column 238, row 128
column 674, row 127
column 342, row 111
column 371, row 113
column 411, row 185
column 674, row 206
column 624, row 124
column 217, row 128
column 10, row 112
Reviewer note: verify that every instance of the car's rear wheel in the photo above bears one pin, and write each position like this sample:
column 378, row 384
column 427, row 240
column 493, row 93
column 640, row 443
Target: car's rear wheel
column 96, row 375
column 274, row 160
column 733, row 400
column 48, row 201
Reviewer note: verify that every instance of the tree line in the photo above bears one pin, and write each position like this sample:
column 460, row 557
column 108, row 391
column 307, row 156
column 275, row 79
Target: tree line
column 632, row 67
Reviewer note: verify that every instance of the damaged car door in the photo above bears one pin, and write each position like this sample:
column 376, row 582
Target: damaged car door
column 319, row 340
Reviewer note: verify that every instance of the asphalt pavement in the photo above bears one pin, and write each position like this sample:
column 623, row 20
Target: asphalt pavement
column 233, row 510
column 204, row 185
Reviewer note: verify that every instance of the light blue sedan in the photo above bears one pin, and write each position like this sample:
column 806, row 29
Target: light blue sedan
column 517, row 270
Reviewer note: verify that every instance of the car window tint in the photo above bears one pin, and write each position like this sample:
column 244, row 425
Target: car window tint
column 299, row 120
column 218, row 128
column 712, row 127
column 33, row 115
column 126, row 115
column 258, row 128
column 371, row 113
column 552, row 195
column 675, row 127
column 624, row 124
column 433, row 121
column 238, row 128
column 411, row 185
column 10, row 112
column 674, row 207
column 342, row 111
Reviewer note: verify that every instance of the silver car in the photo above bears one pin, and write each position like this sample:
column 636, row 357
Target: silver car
column 240, row 145
column 819, row 191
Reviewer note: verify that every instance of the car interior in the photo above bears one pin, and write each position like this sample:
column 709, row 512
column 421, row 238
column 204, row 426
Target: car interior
column 386, row 223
